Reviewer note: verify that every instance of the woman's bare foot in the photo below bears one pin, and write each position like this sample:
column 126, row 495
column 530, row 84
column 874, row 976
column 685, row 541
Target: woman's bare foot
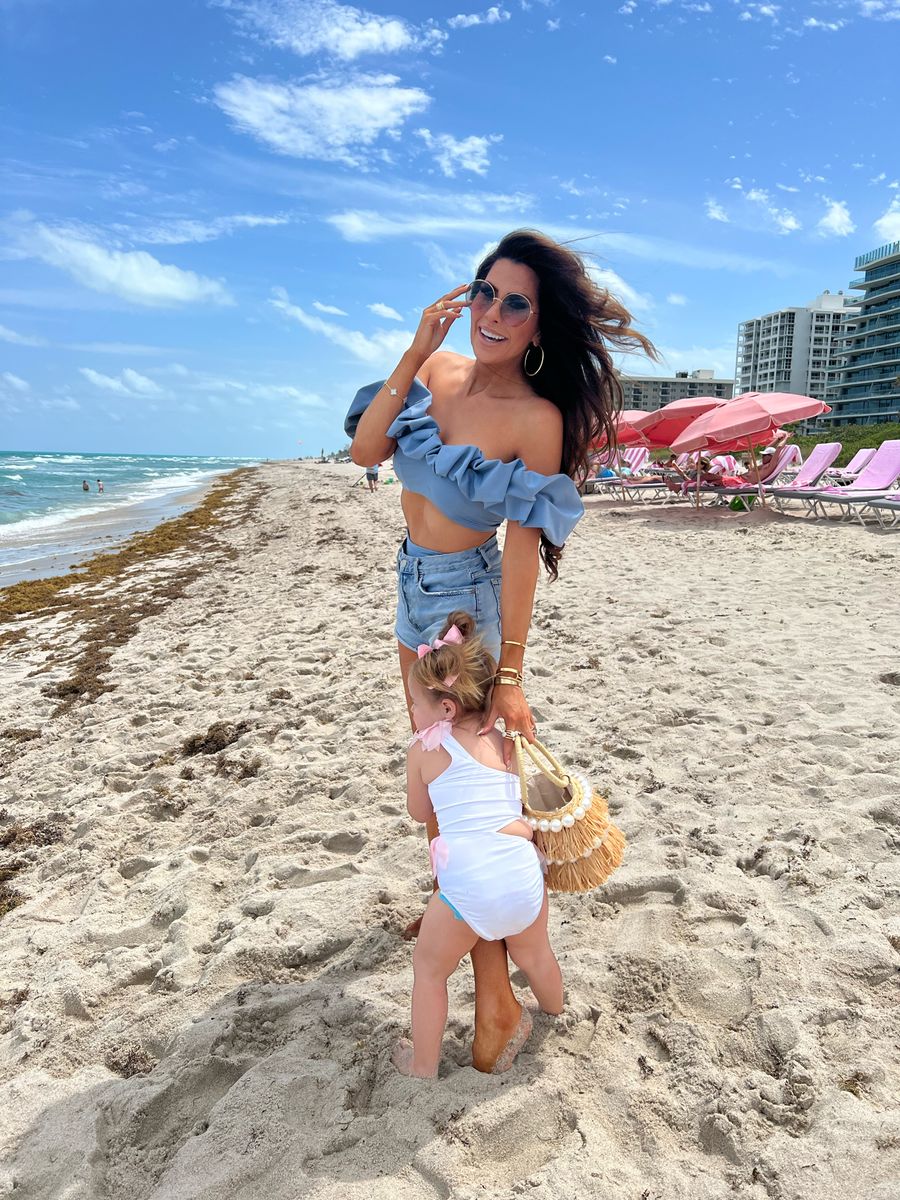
column 402, row 1058
column 498, row 1042
column 411, row 932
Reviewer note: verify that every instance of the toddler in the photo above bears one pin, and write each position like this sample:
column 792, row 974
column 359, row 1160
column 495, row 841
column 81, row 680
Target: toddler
column 487, row 868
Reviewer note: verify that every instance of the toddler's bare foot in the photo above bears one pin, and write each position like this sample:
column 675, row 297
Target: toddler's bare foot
column 402, row 1058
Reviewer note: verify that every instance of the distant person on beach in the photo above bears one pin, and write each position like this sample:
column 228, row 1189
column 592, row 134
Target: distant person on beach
column 476, row 441
column 100, row 486
column 85, row 486
column 491, row 886
column 372, row 477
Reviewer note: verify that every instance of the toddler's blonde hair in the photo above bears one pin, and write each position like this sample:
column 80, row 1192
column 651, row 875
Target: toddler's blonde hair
column 467, row 664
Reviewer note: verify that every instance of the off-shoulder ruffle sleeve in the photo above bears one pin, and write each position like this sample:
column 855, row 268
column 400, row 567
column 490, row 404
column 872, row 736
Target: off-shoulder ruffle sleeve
column 367, row 394
column 502, row 490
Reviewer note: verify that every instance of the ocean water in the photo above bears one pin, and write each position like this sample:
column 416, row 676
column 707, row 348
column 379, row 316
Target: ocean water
column 43, row 506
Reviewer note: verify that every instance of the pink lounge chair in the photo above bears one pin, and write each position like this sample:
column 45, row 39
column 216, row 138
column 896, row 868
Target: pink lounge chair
column 874, row 483
column 856, row 464
column 807, row 479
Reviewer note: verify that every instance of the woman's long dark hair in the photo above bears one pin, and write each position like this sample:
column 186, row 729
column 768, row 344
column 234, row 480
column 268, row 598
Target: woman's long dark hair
column 579, row 322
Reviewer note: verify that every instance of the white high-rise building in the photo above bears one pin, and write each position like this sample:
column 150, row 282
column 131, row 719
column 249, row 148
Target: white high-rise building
column 794, row 349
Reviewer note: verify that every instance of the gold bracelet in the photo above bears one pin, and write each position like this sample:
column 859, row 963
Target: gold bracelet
column 509, row 671
column 509, row 682
column 510, row 642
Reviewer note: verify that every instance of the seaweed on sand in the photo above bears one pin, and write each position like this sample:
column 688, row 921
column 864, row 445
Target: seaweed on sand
column 113, row 592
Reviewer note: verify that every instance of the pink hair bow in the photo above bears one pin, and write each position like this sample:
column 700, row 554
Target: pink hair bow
column 453, row 637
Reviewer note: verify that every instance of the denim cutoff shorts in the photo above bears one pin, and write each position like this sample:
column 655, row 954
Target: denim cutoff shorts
column 430, row 586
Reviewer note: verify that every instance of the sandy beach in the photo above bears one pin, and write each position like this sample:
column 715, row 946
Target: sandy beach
column 208, row 866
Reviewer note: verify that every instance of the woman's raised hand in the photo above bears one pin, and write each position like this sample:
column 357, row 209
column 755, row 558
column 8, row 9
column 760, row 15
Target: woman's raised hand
column 436, row 322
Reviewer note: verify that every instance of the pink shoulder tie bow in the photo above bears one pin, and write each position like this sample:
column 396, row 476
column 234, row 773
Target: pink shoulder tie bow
column 439, row 854
column 432, row 737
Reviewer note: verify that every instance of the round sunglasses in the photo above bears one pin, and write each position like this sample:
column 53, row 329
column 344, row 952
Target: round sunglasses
column 515, row 309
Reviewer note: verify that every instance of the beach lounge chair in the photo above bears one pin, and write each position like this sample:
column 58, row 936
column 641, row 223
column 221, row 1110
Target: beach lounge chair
column 874, row 483
column 632, row 460
column 809, row 476
column 882, row 510
column 856, row 464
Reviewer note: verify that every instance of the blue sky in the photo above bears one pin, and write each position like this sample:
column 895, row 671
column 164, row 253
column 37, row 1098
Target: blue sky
column 221, row 217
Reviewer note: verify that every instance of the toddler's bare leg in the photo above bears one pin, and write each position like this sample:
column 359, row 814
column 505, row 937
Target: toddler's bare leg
column 441, row 944
column 530, row 950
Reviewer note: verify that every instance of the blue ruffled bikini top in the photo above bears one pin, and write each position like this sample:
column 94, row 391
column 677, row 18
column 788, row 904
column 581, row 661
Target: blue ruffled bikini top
column 474, row 491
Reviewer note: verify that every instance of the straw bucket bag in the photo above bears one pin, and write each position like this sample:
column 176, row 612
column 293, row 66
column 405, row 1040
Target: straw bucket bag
column 571, row 823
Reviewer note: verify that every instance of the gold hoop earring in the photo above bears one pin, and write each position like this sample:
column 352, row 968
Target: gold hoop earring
column 531, row 374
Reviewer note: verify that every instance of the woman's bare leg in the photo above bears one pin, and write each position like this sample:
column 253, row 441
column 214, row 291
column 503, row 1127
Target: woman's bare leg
column 498, row 1014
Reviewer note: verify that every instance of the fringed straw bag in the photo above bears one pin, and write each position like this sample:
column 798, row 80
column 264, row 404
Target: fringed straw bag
column 571, row 823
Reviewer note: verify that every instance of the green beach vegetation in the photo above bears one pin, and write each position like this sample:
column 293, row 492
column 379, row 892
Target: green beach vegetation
column 852, row 438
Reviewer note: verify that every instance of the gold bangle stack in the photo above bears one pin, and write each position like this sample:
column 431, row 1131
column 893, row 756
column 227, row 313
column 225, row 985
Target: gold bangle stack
column 517, row 680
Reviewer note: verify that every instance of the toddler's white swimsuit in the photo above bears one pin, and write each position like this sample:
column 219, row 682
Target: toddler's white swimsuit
column 494, row 880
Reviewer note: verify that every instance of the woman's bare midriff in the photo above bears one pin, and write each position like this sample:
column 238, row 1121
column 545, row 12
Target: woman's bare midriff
column 428, row 527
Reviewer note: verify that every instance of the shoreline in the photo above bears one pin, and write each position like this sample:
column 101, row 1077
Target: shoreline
column 72, row 543
column 211, row 865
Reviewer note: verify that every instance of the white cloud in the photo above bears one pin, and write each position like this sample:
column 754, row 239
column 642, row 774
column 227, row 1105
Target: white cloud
column 881, row 10
column 553, row 25
column 127, row 383
column 690, row 358
column 15, row 381
column 331, row 310
column 614, row 283
column 133, row 275
column 335, row 119
column 716, row 212
column 360, row 225
column 610, row 59
column 385, row 311
column 382, row 348
column 828, row 26
column 323, row 26
column 66, row 403
column 837, row 221
column 888, row 224
column 464, row 154
column 187, row 229
column 785, row 187
column 19, row 339
column 677, row 299
column 491, row 16
column 165, row 146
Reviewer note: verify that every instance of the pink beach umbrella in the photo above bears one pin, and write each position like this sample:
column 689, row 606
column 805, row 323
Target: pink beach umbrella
column 753, row 413
column 627, row 428
column 747, row 421
column 660, row 428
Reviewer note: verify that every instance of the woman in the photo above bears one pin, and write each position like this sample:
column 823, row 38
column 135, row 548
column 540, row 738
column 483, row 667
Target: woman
column 478, row 441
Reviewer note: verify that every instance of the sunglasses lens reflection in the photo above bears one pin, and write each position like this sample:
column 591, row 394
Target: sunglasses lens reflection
column 480, row 294
column 515, row 309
